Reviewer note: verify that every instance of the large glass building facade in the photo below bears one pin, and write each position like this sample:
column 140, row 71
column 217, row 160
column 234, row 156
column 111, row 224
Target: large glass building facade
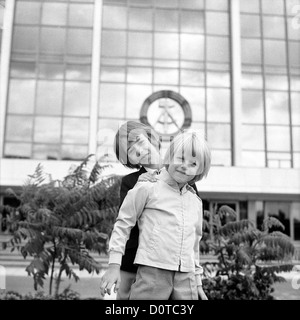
column 73, row 71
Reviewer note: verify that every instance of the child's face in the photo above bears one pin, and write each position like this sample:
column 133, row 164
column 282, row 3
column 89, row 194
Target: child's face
column 142, row 152
column 183, row 168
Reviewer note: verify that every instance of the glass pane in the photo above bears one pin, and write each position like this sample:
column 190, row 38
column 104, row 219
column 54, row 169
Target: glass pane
column 139, row 75
column 290, row 6
column 293, row 26
column 140, row 19
column 166, row 20
column 135, row 97
column 141, row 2
column 221, row 28
column 17, row 150
column 53, row 40
column 54, row 14
column 166, row 3
column 296, row 160
column 295, row 101
column 140, row 45
column 274, row 27
column 21, row 96
column 217, row 49
column 251, row 51
column 221, row 158
column 166, row 46
column 192, row 47
column 252, row 107
column 74, row 152
column 75, row 130
column 51, row 70
column 81, row 15
column 296, row 139
column 49, row 97
column 46, row 151
column 274, row 52
column 79, row 41
column 191, row 77
column 19, row 128
column 277, row 107
column 112, row 100
column 253, row 159
column 218, row 79
column 77, row 99
column 166, row 76
column 278, row 138
column 192, row 21
column 218, row 136
column 218, row 105
column 114, row 17
column 192, row 4
column 163, row 63
column 249, row 6
column 25, row 39
column 114, row 74
column 27, row 12
column 252, row 80
column 276, row 82
column 272, row 6
column 250, row 25
column 52, row 134
column 196, row 99
column 295, row 83
column 217, row 5
column 294, row 54
column 22, row 69
column 113, row 43
column 78, row 72
column 253, row 138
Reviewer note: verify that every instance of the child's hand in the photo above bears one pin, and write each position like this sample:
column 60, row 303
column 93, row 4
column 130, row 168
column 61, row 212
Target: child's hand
column 110, row 277
column 201, row 293
column 147, row 176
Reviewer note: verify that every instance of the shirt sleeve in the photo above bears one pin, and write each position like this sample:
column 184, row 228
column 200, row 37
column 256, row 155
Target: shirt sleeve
column 130, row 211
column 198, row 267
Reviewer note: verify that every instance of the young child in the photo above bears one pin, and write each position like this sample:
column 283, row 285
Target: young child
column 169, row 216
column 137, row 147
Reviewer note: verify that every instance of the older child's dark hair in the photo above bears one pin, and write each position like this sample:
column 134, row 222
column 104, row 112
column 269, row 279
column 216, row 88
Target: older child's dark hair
column 129, row 131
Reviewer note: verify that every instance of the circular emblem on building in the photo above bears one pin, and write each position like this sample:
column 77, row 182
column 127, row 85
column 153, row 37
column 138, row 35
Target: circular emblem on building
column 167, row 112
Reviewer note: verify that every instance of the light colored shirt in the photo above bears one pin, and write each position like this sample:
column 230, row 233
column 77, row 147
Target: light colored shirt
column 170, row 226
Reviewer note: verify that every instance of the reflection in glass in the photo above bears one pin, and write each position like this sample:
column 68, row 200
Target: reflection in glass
column 75, row 130
column 277, row 107
column 296, row 139
column 17, row 150
column 191, row 77
column 251, row 51
column 196, row 100
column 22, row 69
column 49, row 97
column 253, row 159
column 47, row 129
column 113, row 43
column 221, row 158
column 217, row 23
column 278, row 138
column 166, row 3
column 275, row 52
column 273, row 6
column 252, row 81
column 25, row 39
column 21, row 96
column 218, row 105
column 79, row 41
column 81, row 15
column 192, row 47
column 252, row 107
column 192, row 21
column 112, row 100
column 217, row 5
column 51, row 70
column 166, row 76
column 296, row 157
column 73, row 152
column 77, row 99
column 217, row 49
column 114, row 17
column 19, row 128
column 276, row 82
column 274, row 27
column 139, row 75
column 192, row 4
column 249, row 6
column 218, row 79
column 295, row 102
column 114, row 74
column 140, row 44
column 54, row 14
column 135, row 97
column 295, row 83
column 140, row 19
column 46, row 151
column 53, row 40
column 78, row 72
column 218, row 135
column 27, row 12
column 253, row 137
column 250, row 25
column 166, row 46
column 166, row 20
column 294, row 53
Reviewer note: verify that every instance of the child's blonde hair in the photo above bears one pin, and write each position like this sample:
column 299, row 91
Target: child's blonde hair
column 192, row 143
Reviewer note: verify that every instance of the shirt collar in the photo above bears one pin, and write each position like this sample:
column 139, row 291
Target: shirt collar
column 165, row 176
column 152, row 171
